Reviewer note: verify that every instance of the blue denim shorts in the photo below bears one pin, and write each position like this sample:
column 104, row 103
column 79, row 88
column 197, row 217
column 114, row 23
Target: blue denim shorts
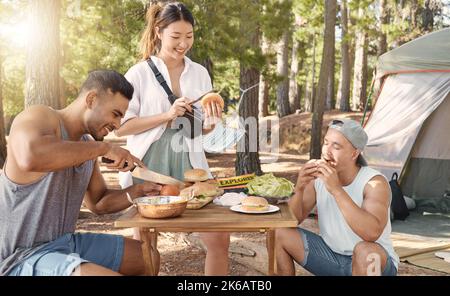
column 321, row 260
column 63, row 255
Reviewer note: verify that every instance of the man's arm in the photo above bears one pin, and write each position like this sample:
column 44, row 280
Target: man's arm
column 37, row 146
column 303, row 202
column 368, row 221
column 304, row 197
column 101, row 200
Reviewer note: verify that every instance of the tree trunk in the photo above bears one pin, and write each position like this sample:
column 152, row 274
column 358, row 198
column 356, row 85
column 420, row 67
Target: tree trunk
column 360, row 69
column 325, row 67
column 263, row 87
column 263, row 96
column 343, row 97
column 247, row 155
column 208, row 64
column 2, row 122
column 384, row 20
column 330, row 99
column 294, row 91
column 427, row 17
column 282, row 72
column 62, row 94
column 43, row 54
column 309, row 100
column 414, row 7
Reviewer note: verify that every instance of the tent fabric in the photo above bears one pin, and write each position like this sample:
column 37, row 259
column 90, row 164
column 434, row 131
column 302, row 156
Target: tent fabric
column 426, row 178
column 408, row 127
column 429, row 52
column 404, row 104
column 428, row 171
column 431, row 143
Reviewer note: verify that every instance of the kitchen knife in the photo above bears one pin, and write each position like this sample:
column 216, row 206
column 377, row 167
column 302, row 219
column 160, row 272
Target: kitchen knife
column 148, row 175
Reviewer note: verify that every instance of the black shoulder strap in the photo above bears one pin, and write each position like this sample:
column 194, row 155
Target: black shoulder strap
column 162, row 81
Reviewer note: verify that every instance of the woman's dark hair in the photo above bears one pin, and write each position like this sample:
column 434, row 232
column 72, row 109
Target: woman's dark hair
column 104, row 80
column 161, row 15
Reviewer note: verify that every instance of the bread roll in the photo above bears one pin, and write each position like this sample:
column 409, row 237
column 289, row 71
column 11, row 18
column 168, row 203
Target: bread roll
column 212, row 97
column 195, row 175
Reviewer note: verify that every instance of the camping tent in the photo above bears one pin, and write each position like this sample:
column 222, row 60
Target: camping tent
column 409, row 127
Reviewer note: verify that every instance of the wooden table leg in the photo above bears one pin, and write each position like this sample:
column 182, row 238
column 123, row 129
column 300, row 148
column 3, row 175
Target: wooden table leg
column 270, row 242
column 154, row 252
column 149, row 251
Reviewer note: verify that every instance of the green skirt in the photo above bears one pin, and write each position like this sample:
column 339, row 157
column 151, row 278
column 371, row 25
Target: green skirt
column 164, row 159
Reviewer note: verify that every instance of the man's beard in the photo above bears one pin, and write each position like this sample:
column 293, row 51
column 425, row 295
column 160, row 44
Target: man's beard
column 94, row 133
column 97, row 138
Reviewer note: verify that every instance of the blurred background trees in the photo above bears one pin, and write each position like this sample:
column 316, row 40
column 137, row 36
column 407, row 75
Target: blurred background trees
column 47, row 48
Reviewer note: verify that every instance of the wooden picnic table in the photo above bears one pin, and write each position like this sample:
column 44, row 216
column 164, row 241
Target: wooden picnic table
column 211, row 218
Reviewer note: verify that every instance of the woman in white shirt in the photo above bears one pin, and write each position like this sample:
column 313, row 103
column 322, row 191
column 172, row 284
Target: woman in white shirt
column 150, row 121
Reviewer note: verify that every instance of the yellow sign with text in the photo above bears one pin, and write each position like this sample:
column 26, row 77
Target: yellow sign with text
column 234, row 181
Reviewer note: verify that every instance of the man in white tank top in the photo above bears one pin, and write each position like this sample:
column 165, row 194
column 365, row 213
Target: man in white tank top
column 352, row 203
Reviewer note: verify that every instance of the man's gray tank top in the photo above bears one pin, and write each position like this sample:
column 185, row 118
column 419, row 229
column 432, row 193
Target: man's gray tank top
column 33, row 214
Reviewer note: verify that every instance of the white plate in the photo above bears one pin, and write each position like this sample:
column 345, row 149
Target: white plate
column 239, row 209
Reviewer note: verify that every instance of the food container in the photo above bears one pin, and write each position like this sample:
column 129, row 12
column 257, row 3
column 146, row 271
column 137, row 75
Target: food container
column 157, row 207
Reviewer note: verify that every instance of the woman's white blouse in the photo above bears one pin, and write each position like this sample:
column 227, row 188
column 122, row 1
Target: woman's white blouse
column 149, row 98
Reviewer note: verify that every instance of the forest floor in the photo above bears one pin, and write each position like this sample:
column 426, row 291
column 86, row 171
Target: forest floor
column 175, row 248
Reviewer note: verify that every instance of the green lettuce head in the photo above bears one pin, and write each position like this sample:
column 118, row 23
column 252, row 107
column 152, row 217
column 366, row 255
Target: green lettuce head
column 270, row 186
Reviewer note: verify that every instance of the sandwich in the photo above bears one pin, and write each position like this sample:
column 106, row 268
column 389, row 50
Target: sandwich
column 329, row 161
column 254, row 204
column 195, row 175
column 200, row 191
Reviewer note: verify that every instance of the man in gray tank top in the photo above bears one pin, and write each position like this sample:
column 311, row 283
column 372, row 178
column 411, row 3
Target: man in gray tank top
column 352, row 202
column 51, row 167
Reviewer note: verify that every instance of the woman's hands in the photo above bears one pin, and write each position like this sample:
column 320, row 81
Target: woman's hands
column 213, row 114
column 178, row 108
column 213, row 111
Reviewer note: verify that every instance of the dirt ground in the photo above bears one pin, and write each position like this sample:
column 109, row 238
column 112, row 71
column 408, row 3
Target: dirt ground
column 178, row 255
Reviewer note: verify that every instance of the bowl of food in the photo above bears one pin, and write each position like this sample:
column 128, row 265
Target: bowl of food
column 157, row 207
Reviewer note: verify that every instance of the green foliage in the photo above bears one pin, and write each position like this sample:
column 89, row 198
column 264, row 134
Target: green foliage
column 276, row 18
column 13, row 85
column 13, row 60
column 106, row 33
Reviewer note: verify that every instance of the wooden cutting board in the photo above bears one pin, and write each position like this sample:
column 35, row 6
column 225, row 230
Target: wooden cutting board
column 194, row 205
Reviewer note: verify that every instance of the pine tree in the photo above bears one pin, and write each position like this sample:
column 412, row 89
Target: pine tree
column 325, row 67
column 43, row 54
